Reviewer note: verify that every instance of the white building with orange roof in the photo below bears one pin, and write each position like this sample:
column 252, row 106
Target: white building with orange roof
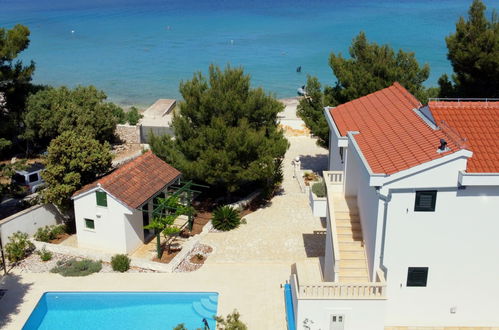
column 413, row 217
column 111, row 213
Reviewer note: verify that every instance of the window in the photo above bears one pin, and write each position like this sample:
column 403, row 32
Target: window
column 417, row 276
column 33, row 177
column 425, row 201
column 341, row 154
column 89, row 224
column 20, row 179
column 101, row 198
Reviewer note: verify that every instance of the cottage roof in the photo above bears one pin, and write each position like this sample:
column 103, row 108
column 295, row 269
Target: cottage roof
column 478, row 123
column 136, row 181
column 392, row 136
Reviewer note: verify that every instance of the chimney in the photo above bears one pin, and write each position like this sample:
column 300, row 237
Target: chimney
column 443, row 146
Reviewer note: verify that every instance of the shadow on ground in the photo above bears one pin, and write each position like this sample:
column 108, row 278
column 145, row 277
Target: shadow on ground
column 315, row 243
column 12, row 292
column 316, row 163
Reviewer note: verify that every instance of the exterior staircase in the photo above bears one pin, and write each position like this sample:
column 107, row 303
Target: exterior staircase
column 353, row 263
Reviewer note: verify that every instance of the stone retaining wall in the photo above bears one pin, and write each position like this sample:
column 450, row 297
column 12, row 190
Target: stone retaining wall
column 129, row 134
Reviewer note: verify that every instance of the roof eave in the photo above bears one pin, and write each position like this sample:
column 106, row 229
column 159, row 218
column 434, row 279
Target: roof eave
column 342, row 140
column 382, row 179
column 478, row 179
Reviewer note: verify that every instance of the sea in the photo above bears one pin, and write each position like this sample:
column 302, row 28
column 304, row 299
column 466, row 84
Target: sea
column 140, row 50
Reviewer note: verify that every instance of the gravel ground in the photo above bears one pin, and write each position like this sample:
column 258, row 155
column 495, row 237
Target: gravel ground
column 187, row 266
column 33, row 264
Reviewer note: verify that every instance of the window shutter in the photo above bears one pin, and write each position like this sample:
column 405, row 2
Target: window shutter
column 425, row 201
column 101, row 197
column 417, row 276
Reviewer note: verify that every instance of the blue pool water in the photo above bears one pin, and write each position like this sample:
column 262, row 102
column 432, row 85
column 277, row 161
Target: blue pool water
column 139, row 50
column 122, row 310
column 290, row 309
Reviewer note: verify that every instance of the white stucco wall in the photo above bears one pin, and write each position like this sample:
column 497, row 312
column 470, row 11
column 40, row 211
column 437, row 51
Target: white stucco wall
column 328, row 253
column 358, row 314
column 117, row 228
column 459, row 243
column 369, row 204
column 335, row 162
column 29, row 220
column 318, row 204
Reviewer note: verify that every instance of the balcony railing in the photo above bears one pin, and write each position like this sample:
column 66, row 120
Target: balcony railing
column 334, row 290
column 334, row 179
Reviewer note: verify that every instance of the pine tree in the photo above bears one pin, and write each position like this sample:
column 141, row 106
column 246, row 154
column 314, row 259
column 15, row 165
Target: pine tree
column 474, row 55
column 226, row 133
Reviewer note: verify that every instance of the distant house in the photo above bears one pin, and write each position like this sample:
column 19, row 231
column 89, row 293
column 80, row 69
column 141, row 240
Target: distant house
column 157, row 119
column 111, row 212
column 413, row 217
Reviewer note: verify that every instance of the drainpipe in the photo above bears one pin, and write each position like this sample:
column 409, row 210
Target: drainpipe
column 386, row 199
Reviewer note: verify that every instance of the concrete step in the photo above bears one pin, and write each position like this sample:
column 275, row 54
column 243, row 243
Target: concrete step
column 350, row 245
column 346, row 223
column 353, row 272
column 352, row 254
column 353, row 279
column 349, row 230
column 346, row 214
column 352, row 263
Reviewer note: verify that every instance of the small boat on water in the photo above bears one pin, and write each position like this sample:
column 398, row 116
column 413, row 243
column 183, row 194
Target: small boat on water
column 302, row 91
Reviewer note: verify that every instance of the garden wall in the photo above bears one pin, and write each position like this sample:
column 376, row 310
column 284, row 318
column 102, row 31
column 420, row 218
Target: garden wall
column 29, row 220
column 128, row 133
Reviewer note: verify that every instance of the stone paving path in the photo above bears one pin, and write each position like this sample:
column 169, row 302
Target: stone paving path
column 282, row 232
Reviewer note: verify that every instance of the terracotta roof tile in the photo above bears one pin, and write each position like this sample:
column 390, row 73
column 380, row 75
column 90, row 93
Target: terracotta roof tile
column 136, row 181
column 392, row 136
column 478, row 123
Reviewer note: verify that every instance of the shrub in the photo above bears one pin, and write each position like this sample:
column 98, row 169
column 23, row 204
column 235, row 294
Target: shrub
column 43, row 234
column 199, row 256
column 73, row 267
column 226, row 218
column 133, row 116
column 120, row 263
column 48, row 233
column 44, row 254
column 19, row 247
column 231, row 322
column 319, row 189
column 180, row 326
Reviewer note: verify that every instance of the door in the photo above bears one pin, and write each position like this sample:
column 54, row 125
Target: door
column 145, row 221
column 337, row 322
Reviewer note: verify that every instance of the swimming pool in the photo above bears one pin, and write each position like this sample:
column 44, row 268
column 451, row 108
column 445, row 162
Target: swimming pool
column 123, row 310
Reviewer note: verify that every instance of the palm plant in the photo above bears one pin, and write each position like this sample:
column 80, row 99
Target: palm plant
column 226, row 218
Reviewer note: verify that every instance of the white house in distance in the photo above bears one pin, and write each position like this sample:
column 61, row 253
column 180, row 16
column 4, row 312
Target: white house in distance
column 413, row 217
column 111, row 212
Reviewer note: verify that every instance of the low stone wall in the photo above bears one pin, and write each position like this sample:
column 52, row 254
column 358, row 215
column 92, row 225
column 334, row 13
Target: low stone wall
column 29, row 220
column 135, row 262
column 128, row 133
column 243, row 203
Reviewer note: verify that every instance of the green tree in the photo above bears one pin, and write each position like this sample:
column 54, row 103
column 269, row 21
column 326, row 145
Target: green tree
column 474, row 55
column 133, row 116
column 73, row 160
column 15, row 82
column 311, row 110
column 226, row 134
column 373, row 67
column 84, row 110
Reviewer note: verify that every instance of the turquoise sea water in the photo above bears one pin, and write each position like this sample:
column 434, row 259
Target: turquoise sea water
column 139, row 50
column 123, row 310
